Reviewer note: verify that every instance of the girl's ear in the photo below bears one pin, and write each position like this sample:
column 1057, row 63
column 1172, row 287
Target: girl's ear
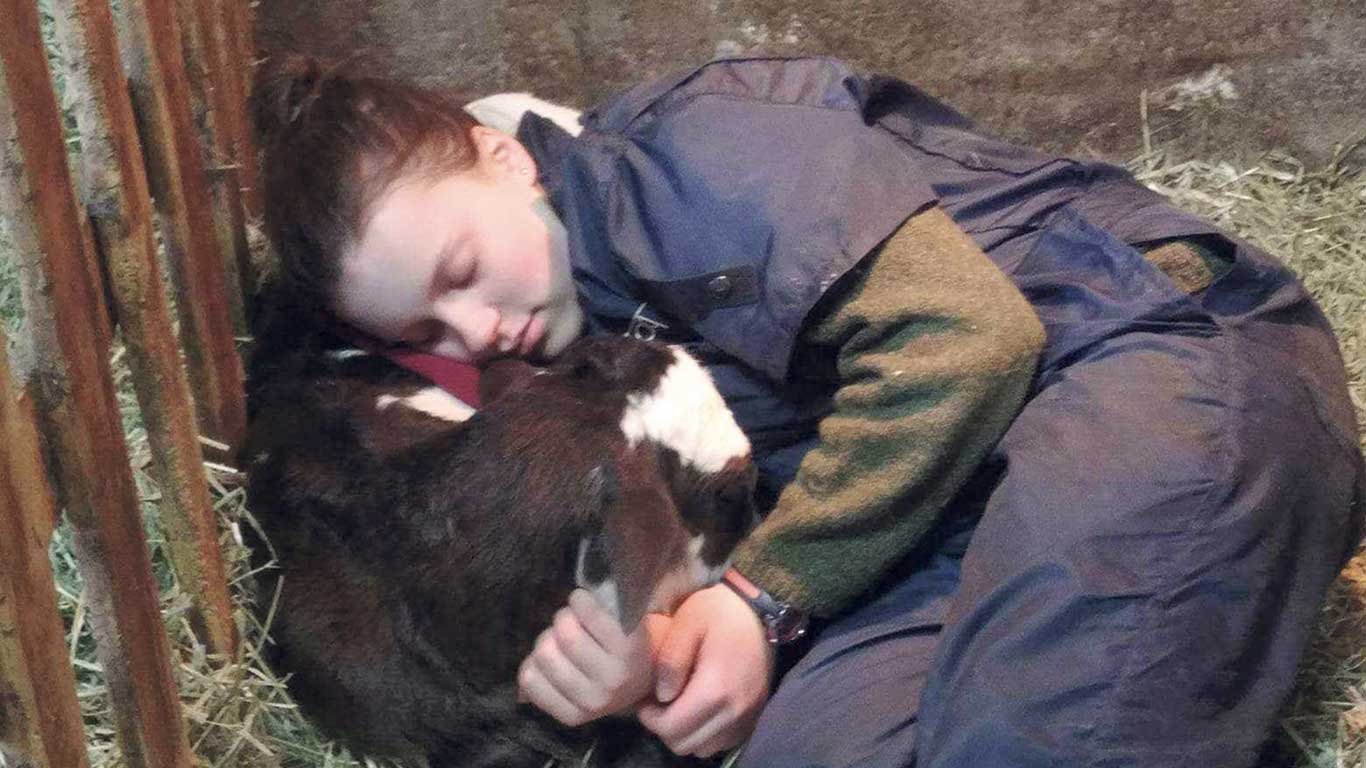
column 503, row 156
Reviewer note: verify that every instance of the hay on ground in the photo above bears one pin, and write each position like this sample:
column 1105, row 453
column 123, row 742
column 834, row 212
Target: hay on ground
column 240, row 715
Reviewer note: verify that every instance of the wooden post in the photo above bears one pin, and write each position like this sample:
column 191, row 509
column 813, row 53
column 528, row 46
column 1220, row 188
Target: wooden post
column 232, row 71
column 114, row 190
column 229, row 108
column 239, row 65
column 80, row 413
column 39, row 715
column 179, row 183
column 201, row 38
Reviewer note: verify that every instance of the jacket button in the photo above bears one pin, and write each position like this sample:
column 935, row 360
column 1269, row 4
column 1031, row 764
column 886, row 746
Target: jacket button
column 719, row 287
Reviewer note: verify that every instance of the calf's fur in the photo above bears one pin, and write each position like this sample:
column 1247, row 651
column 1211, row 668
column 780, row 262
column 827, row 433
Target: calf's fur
column 418, row 557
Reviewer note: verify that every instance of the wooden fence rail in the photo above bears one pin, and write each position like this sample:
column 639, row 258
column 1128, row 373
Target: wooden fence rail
column 76, row 397
column 152, row 55
column 114, row 191
column 39, row 715
column 236, row 64
column 201, row 38
column 88, row 264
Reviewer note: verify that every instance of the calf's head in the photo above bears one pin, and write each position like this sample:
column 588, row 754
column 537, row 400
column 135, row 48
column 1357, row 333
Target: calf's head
column 676, row 497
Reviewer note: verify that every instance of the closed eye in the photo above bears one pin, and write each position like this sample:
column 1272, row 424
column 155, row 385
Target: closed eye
column 423, row 333
column 458, row 269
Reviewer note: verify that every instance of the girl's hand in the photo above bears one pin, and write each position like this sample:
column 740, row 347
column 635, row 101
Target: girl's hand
column 584, row 666
column 713, row 672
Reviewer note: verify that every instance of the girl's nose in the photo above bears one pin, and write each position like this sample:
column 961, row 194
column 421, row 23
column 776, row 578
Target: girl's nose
column 474, row 323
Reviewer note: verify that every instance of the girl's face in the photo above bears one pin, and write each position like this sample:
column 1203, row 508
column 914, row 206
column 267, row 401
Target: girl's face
column 462, row 265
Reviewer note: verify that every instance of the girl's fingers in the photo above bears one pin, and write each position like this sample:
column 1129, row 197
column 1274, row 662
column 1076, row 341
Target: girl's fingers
column 567, row 679
column 730, row 738
column 676, row 657
column 676, row 723
column 582, row 649
column 599, row 622
column 705, row 740
column 539, row 691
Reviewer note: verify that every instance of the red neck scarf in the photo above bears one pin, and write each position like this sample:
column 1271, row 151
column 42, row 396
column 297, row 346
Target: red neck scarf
column 459, row 379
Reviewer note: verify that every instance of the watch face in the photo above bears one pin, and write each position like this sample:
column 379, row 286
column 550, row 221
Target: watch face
column 782, row 624
column 787, row 625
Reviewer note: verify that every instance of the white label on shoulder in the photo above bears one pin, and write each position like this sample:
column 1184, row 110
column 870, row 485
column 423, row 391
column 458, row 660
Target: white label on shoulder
column 433, row 401
column 504, row 111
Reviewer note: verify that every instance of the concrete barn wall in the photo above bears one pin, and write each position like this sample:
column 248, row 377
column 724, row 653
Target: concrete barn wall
column 1226, row 78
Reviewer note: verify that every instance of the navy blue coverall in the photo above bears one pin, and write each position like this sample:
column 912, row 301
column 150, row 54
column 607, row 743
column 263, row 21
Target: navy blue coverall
column 1131, row 577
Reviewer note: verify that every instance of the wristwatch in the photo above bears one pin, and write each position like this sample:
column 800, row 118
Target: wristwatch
column 782, row 622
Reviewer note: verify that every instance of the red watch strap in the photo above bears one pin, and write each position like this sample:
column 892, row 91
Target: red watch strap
column 738, row 581
column 782, row 623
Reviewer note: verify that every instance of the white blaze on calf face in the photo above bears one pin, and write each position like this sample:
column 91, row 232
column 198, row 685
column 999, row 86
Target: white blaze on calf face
column 691, row 575
column 686, row 414
column 685, row 578
column 701, row 574
column 433, row 401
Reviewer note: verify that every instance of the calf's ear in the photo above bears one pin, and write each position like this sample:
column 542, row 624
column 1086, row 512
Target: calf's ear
column 644, row 541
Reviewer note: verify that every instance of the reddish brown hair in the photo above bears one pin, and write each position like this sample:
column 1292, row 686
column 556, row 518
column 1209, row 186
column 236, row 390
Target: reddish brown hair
column 333, row 141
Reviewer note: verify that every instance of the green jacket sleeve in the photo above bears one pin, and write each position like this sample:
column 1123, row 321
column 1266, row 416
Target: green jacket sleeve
column 934, row 350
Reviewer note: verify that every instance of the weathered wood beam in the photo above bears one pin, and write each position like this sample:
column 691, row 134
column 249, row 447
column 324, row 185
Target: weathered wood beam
column 114, row 191
column 240, row 64
column 79, row 409
column 40, row 719
column 152, row 55
column 201, row 38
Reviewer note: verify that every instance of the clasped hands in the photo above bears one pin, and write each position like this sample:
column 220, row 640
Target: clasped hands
column 697, row 679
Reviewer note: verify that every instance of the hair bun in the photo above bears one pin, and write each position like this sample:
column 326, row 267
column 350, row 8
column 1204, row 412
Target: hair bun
column 284, row 91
